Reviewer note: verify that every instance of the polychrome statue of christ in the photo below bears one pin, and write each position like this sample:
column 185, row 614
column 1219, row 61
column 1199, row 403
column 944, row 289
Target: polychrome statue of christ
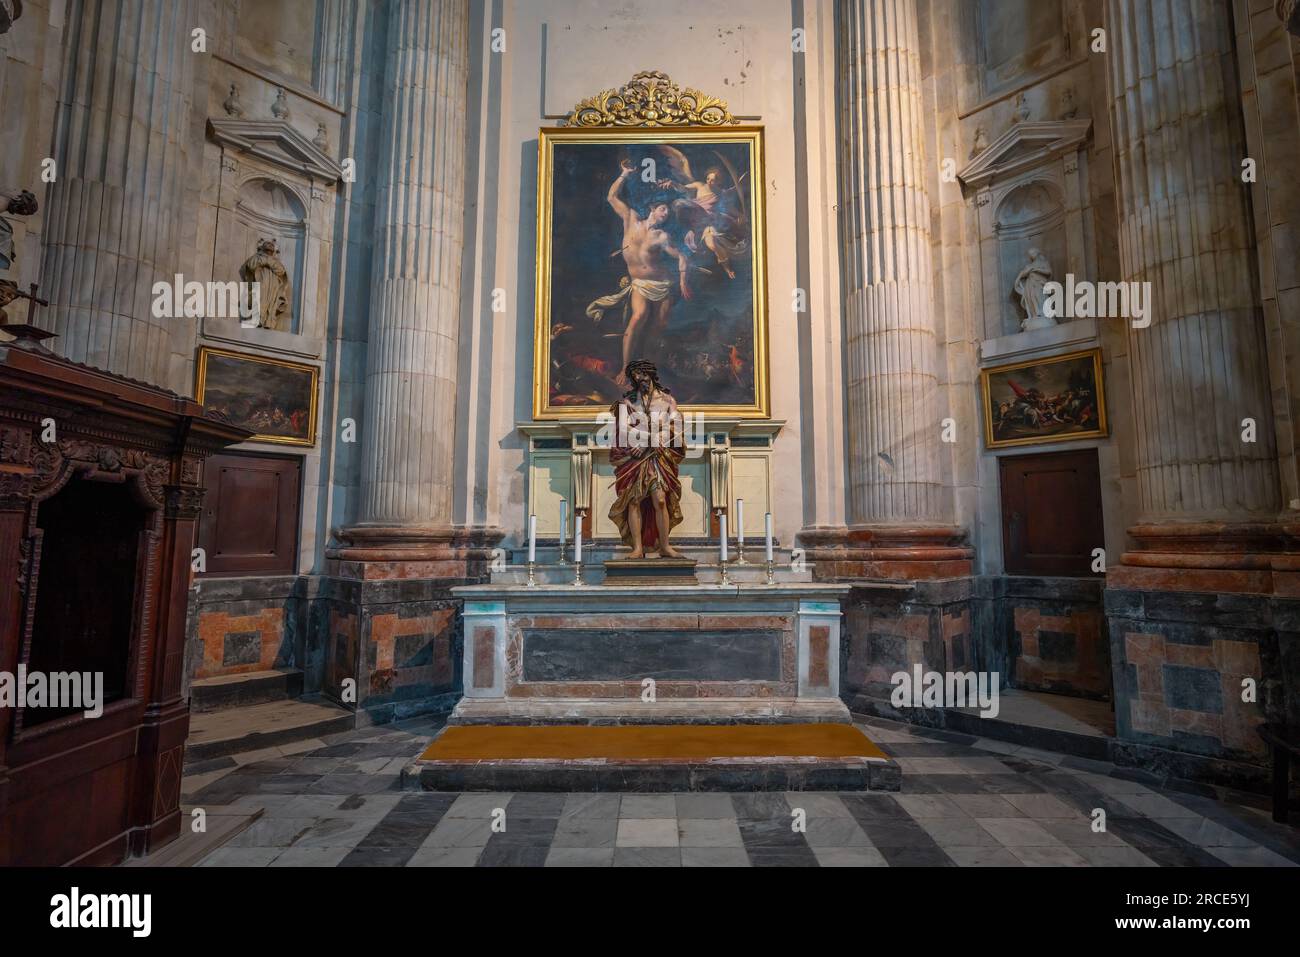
column 647, row 448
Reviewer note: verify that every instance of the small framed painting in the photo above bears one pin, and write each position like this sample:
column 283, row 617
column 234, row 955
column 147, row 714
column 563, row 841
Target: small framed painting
column 274, row 398
column 1044, row 400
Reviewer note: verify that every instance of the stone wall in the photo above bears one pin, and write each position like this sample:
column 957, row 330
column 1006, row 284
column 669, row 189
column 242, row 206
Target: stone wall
column 939, row 625
column 1055, row 634
column 1040, row 634
column 240, row 625
column 397, row 642
column 1179, row 663
column 385, row 649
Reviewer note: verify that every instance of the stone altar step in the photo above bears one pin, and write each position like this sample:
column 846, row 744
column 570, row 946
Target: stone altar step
column 218, row 733
column 634, row 711
column 785, row 757
column 238, row 691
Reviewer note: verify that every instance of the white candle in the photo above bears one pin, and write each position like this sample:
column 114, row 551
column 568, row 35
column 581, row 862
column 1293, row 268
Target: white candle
column 767, row 529
column 577, row 538
column 722, row 535
column 532, row 538
column 740, row 524
column 564, row 521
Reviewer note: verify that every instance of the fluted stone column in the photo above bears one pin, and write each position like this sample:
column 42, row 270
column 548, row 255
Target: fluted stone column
column 116, row 206
column 410, row 418
column 899, row 511
column 1207, row 498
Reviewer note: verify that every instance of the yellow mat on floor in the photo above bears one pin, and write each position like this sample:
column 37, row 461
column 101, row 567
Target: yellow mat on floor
column 650, row 742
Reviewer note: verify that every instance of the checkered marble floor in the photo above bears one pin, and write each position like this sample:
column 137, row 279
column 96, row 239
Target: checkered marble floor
column 965, row 801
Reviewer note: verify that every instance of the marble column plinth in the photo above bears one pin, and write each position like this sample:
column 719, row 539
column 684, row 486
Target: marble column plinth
column 888, row 552
column 1261, row 558
column 379, row 551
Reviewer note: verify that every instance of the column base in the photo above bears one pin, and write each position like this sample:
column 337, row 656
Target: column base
column 1242, row 558
column 373, row 551
column 898, row 552
column 1193, row 612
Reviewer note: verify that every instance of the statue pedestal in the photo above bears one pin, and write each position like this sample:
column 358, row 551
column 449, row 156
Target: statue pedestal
column 1032, row 323
column 650, row 571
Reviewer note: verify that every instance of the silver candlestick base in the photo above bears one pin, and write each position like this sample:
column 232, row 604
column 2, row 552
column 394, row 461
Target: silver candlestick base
column 770, row 565
column 532, row 582
column 561, row 562
column 577, row 573
column 740, row 553
column 724, row 580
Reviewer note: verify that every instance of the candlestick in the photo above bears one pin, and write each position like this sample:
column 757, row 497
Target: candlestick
column 577, row 547
column 531, row 580
column 767, row 531
column 532, row 538
column 564, row 526
column 722, row 550
column 740, row 532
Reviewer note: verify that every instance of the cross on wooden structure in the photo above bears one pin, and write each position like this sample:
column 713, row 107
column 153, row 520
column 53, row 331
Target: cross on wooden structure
column 28, row 332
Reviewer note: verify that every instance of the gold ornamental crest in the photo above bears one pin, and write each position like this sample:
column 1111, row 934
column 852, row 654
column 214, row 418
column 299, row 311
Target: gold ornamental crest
column 650, row 98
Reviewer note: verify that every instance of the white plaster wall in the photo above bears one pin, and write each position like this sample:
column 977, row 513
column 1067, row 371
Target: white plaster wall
column 561, row 51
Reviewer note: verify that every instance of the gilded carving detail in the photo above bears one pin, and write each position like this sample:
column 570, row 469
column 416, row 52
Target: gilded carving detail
column 650, row 98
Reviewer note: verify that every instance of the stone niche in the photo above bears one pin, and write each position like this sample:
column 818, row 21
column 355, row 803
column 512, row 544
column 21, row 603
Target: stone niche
column 1027, row 190
column 274, row 183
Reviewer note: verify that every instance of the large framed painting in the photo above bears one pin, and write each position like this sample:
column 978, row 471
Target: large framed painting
column 650, row 245
column 274, row 398
column 1044, row 400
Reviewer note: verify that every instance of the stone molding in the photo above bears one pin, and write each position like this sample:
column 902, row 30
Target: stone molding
column 277, row 143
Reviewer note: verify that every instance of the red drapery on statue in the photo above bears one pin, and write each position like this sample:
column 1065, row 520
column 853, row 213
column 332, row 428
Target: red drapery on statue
column 637, row 472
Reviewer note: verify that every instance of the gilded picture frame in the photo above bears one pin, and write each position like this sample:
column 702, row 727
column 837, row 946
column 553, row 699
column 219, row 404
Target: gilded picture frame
column 712, row 346
column 276, row 398
column 1038, row 401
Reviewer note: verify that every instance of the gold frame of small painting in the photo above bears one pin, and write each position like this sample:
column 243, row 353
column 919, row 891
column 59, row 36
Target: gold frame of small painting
column 711, row 148
column 1093, row 369
column 203, row 383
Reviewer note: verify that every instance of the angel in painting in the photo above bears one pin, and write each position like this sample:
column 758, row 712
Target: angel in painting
column 706, row 218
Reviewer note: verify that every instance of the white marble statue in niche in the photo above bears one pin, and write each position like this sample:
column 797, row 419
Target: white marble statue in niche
column 1029, row 286
column 273, row 307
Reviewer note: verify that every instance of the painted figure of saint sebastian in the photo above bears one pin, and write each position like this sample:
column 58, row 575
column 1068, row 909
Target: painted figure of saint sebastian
column 647, row 449
column 648, row 251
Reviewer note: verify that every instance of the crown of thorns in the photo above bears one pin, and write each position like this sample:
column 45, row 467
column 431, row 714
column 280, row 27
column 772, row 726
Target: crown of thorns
column 644, row 367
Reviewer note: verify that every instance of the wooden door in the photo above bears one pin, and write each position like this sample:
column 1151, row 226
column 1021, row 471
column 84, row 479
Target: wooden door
column 1051, row 513
column 250, row 514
